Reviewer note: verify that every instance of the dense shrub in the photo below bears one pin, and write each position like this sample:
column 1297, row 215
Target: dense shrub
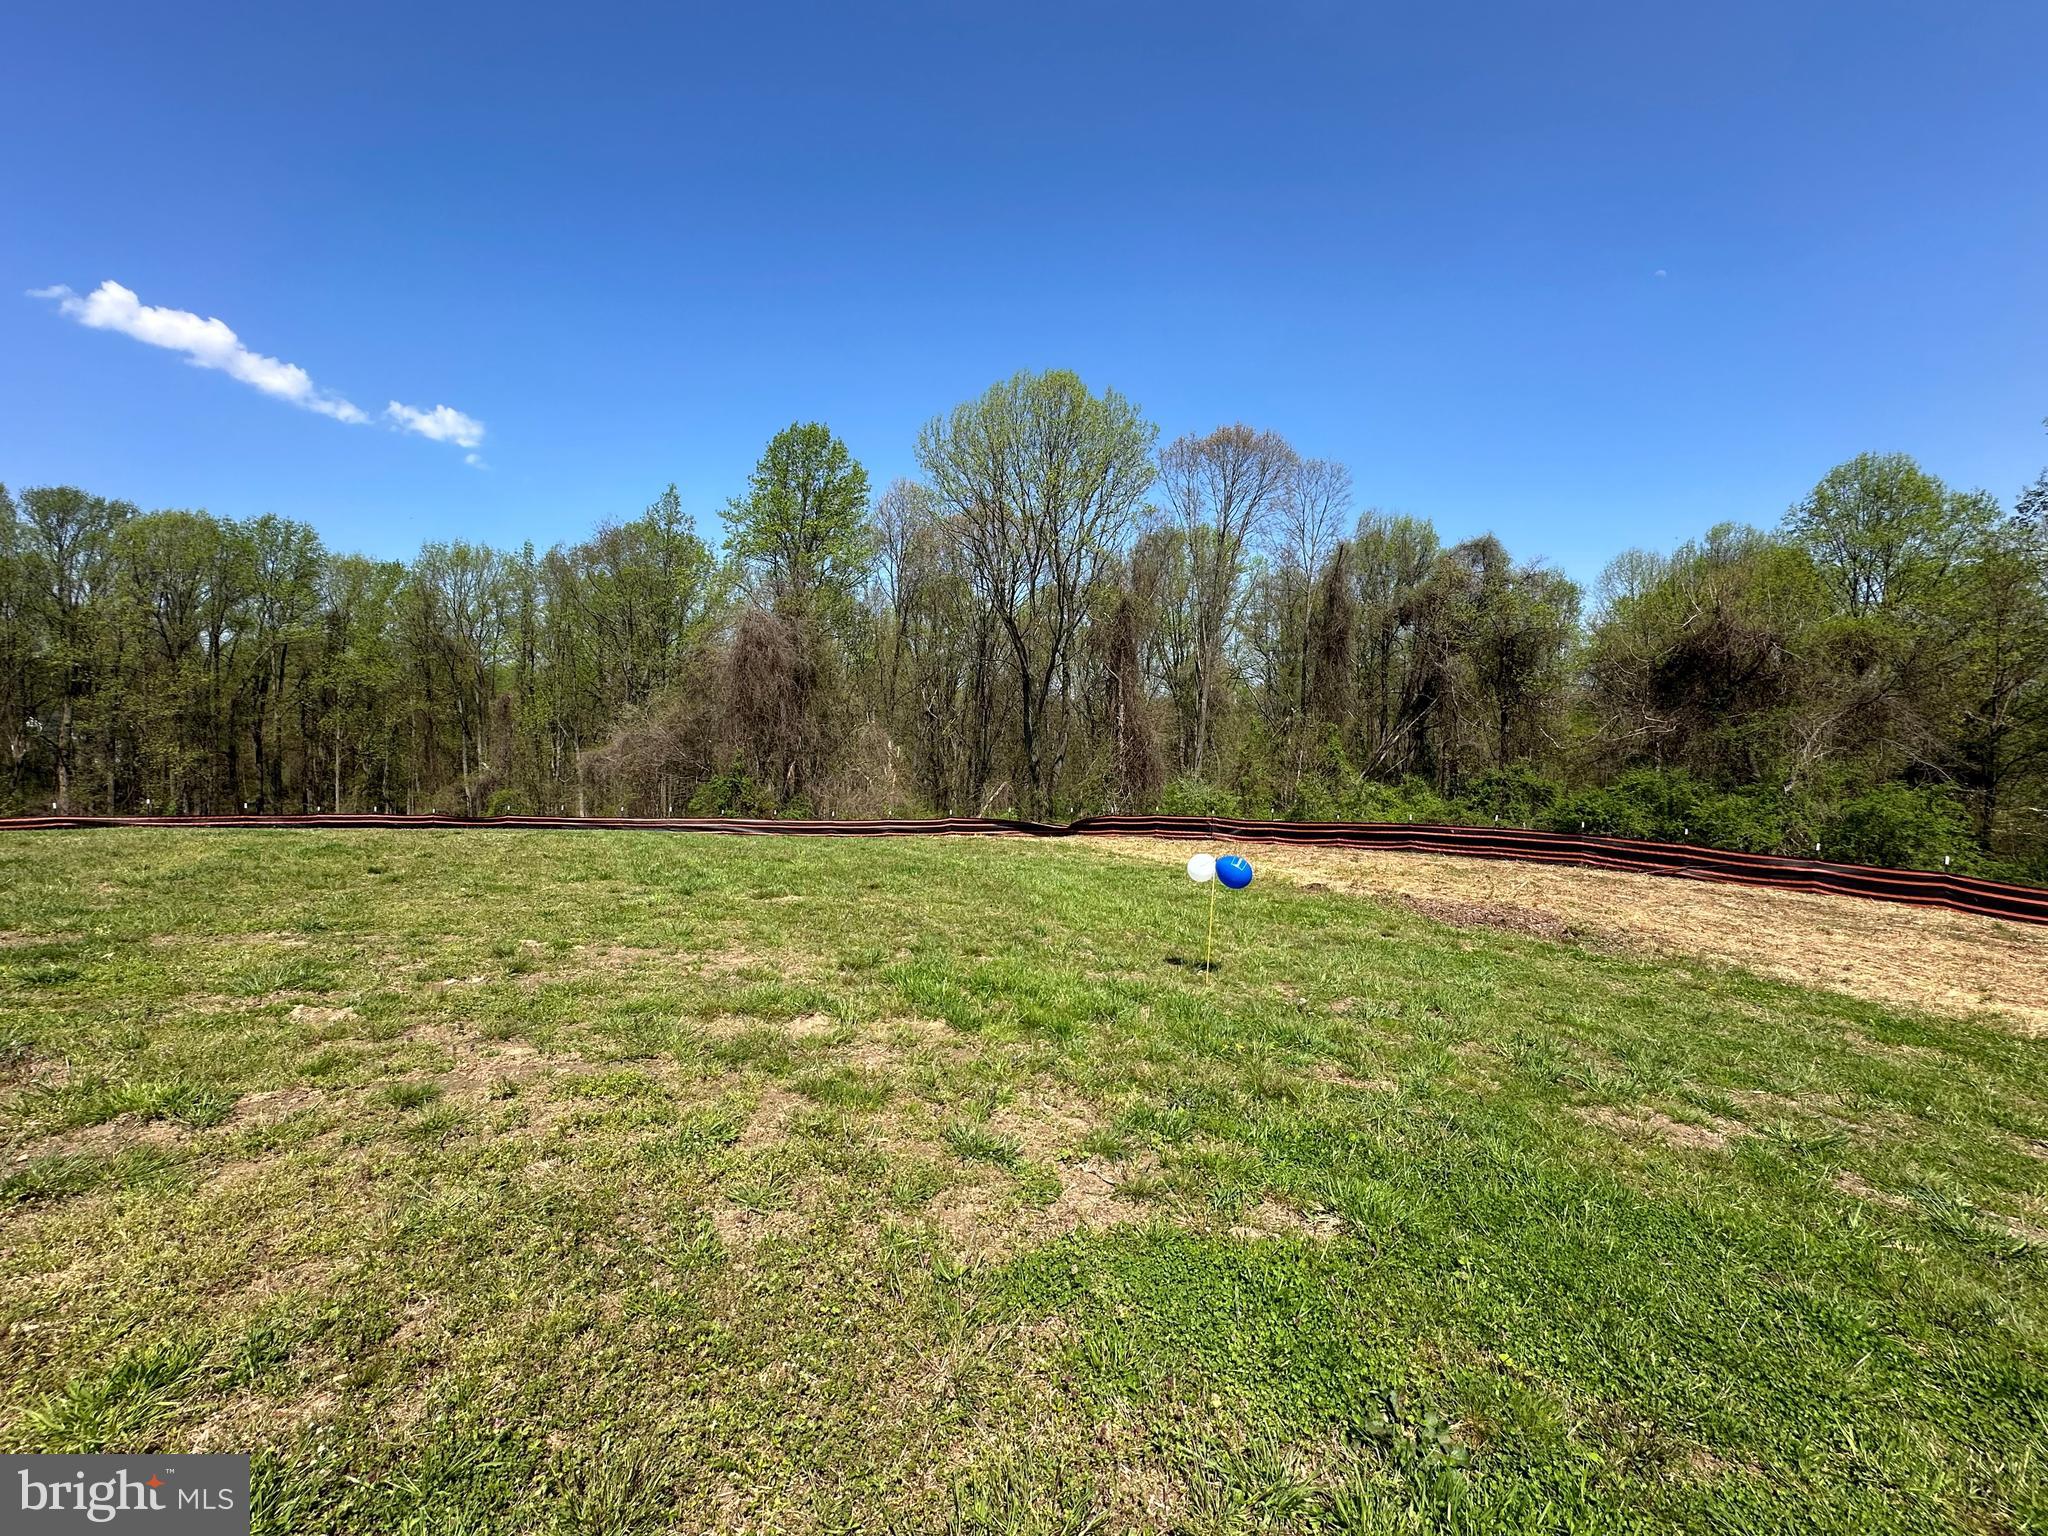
column 1893, row 824
column 1191, row 797
column 1905, row 826
column 732, row 792
column 1410, row 800
column 1669, row 805
column 1516, row 797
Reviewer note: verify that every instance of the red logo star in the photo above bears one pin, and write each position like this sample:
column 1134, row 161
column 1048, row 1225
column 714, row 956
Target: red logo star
column 155, row 1481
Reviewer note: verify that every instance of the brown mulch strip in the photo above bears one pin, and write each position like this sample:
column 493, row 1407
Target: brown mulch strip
column 1493, row 914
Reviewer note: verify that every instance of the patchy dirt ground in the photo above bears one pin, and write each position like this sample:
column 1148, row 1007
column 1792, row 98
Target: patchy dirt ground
column 1943, row 962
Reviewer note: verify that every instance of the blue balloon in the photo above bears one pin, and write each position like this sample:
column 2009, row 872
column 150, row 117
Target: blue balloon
column 1234, row 872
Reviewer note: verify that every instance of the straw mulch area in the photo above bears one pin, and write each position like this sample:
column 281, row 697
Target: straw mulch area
column 1940, row 962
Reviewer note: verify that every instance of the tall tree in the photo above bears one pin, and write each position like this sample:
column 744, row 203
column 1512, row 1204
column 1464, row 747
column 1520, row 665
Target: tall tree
column 1313, row 514
column 1879, row 528
column 904, row 522
column 1700, row 660
column 1224, row 488
column 1041, row 479
column 66, row 540
column 1391, row 557
column 1330, row 689
column 1996, row 676
column 802, row 529
column 284, row 594
column 2032, row 503
column 19, row 650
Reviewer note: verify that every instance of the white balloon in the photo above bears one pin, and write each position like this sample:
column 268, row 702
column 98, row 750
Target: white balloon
column 1202, row 867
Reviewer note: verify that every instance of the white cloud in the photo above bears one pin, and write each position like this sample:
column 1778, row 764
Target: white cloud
column 209, row 343
column 474, row 461
column 444, row 424
column 206, row 343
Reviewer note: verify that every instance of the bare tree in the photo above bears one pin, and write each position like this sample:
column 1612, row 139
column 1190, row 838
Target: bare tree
column 1224, row 489
column 1314, row 512
column 1313, row 515
column 903, row 522
column 1041, row 480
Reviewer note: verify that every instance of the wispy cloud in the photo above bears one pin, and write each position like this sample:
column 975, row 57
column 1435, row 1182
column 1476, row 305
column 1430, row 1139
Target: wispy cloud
column 444, row 424
column 206, row 343
column 209, row 343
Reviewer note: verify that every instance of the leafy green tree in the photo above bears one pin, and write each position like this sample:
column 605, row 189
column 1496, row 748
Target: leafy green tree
column 359, row 681
column 284, row 561
column 803, row 536
column 1881, row 530
column 639, row 596
column 19, row 648
column 1701, row 660
column 802, row 530
column 2032, row 504
column 66, row 538
column 1526, row 620
column 1995, row 672
column 164, row 562
column 1390, row 558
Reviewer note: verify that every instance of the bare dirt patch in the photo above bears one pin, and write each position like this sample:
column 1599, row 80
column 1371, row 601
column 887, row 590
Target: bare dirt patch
column 238, row 940
column 933, row 1031
column 1270, row 1218
column 733, row 960
column 320, row 1274
column 614, row 957
column 312, row 1013
column 1046, row 1124
column 1494, row 914
column 986, row 1220
column 739, row 1227
column 1854, row 1184
column 876, row 1045
column 487, row 1071
column 1093, row 1193
column 272, row 1105
column 106, row 1139
column 1943, row 962
column 1324, row 1072
column 1639, row 1123
column 769, row 1122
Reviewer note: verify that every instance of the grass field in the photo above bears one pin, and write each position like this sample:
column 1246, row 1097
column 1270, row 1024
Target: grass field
column 622, row 1182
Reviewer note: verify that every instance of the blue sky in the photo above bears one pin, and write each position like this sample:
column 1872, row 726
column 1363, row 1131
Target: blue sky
column 1424, row 240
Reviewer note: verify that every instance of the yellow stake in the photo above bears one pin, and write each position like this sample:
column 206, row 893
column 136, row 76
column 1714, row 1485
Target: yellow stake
column 1209, row 942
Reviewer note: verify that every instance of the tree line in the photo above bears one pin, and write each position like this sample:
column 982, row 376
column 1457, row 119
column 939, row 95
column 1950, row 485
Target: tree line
column 1059, row 615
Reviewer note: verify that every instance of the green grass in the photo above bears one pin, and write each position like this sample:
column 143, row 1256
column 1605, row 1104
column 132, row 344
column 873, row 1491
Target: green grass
column 538, row 1182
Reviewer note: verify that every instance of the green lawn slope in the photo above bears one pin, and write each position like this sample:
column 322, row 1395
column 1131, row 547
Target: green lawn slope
column 626, row 1182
